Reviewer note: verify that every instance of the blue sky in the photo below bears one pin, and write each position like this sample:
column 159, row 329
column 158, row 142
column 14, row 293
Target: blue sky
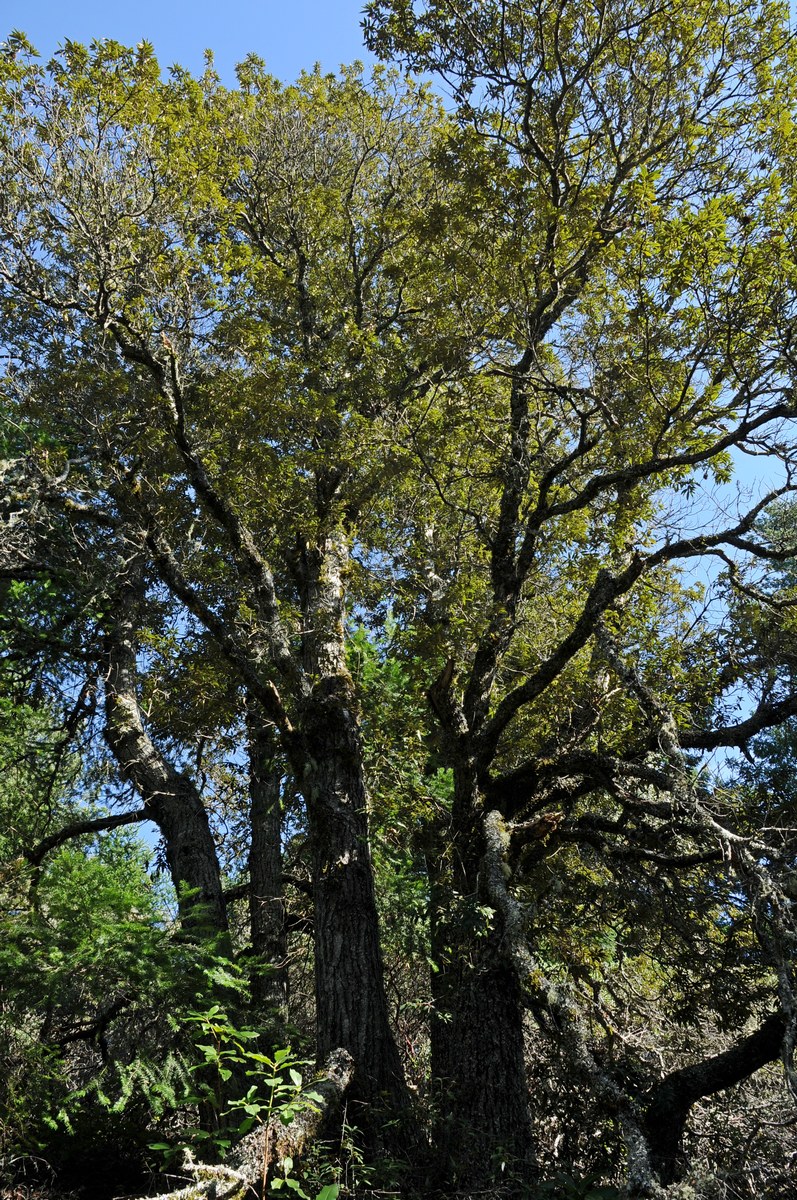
column 289, row 34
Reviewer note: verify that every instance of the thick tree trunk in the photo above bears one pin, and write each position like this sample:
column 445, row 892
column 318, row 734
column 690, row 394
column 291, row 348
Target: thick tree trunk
column 351, row 1006
column 266, row 902
column 169, row 796
column 670, row 1101
column 483, row 1133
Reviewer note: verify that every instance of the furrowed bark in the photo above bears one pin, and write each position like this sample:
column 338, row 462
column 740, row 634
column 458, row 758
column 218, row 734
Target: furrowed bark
column 266, row 902
column 477, row 1029
column 350, row 996
column 351, row 1006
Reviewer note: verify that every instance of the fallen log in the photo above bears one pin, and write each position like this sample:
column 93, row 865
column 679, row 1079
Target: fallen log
column 260, row 1154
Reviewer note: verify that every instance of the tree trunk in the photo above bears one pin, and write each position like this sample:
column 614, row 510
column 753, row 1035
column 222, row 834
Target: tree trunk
column 170, row 797
column 483, row 1130
column 351, row 1006
column 266, row 902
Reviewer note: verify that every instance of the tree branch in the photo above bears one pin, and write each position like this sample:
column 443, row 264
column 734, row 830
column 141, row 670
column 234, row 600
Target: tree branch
column 671, row 1099
column 38, row 853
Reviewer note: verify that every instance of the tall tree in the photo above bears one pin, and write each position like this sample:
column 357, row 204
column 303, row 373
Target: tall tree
column 226, row 285
column 631, row 322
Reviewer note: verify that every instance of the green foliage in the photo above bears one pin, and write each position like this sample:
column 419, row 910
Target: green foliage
column 89, row 961
column 237, row 1087
column 81, row 987
column 276, row 1087
column 570, row 1187
column 84, row 959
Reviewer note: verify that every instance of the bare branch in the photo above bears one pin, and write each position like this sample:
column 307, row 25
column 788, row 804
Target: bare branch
column 39, row 852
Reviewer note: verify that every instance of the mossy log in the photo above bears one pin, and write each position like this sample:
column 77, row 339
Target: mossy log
column 270, row 1145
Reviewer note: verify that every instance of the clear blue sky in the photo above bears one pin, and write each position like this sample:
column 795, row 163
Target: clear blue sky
column 289, row 34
